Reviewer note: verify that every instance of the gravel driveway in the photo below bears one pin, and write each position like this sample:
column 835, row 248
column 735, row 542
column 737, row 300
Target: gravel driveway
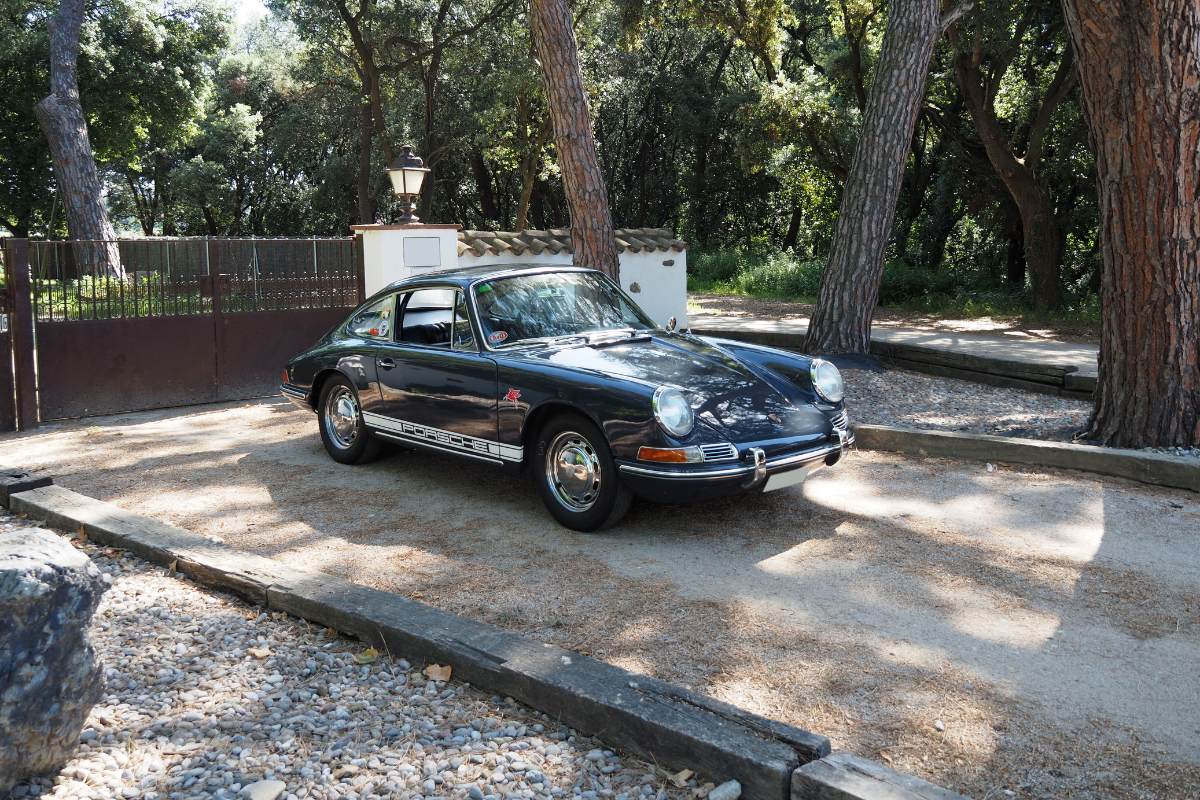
column 992, row 630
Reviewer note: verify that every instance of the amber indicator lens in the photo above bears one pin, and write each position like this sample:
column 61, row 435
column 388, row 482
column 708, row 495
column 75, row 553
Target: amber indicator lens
column 670, row 455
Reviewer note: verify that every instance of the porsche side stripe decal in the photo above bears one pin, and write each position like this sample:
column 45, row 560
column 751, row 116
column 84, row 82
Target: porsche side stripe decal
column 447, row 440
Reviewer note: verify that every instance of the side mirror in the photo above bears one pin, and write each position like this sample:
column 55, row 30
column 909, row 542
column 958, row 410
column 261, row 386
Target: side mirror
column 671, row 323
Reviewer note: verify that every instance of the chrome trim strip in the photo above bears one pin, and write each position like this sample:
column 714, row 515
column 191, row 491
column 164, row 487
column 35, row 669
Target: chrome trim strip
column 445, row 440
column 427, row 444
column 292, row 391
column 708, row 474
column 772, row 466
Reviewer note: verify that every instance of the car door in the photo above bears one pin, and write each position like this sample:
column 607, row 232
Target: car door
column 436, row 388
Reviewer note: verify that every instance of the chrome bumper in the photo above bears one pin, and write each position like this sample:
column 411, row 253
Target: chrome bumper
column 757, row 471
column 298, row 396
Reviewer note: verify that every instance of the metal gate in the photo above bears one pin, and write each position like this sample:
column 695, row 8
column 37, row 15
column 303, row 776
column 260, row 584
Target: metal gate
column 181, row 321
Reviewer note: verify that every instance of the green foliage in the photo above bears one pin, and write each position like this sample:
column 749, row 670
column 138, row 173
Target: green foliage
column 732, row 124
column 785, row 276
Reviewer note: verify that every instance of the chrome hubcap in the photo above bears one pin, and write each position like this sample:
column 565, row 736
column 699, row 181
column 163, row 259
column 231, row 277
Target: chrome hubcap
column 341, row 418
column 573, row 471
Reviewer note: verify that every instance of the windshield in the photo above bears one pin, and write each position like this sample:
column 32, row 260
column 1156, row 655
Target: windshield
column 518, row 309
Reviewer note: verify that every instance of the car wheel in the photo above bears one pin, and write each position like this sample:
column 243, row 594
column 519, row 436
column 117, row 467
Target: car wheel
column 577, row 477
column 345, row 436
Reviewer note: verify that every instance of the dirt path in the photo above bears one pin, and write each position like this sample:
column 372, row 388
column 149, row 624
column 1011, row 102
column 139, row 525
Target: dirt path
column 1049, row 623
column 1018, row 327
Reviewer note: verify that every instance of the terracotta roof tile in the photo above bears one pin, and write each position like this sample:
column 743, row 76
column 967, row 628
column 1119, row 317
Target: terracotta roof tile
column 558, row 240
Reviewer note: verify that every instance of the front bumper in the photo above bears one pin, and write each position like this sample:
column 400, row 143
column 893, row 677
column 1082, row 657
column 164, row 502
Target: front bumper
column 688, row 484
column 298, row 396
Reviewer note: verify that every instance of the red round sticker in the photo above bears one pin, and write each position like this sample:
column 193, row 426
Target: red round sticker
column 498, row 336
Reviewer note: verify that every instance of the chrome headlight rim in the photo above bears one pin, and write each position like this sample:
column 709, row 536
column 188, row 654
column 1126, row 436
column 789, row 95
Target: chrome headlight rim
column 666, row 399
column 828, row 394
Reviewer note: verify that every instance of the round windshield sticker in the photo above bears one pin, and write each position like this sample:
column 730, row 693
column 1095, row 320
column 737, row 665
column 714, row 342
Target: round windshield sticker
column 498, row 336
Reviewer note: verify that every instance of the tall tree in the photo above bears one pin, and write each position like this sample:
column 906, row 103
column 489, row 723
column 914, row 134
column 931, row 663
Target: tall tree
column 592, row 236
column 841, row 321
column 61, row 116
column 1140, row 76
column 980, row 72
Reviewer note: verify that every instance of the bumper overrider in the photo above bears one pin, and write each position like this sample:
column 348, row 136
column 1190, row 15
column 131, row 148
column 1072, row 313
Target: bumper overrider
column 688, row 483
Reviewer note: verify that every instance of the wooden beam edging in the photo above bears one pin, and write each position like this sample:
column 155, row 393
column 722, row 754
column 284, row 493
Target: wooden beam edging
column 1159, row 469
column 666, row 724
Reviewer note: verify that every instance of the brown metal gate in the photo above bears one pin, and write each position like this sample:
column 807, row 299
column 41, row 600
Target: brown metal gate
column 183, row 321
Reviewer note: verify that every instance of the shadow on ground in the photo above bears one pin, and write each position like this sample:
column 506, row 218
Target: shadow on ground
column 1029, row 632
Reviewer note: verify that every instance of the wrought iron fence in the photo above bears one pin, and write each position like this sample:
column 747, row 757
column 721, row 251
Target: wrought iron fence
column 81, row 280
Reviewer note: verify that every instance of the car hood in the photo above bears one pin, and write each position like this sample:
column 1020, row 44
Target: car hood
column 745, row 404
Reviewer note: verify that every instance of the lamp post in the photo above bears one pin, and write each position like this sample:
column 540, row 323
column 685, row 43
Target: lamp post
column 407, row 173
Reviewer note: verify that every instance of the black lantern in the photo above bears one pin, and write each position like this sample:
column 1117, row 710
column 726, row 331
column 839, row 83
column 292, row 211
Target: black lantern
column 408, row 173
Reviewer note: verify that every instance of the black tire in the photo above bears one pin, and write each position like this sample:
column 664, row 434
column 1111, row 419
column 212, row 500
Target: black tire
column 577, row 477
column 339, row 416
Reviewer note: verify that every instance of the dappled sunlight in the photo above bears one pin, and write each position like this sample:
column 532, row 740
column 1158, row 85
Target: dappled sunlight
column 881, row 596
column 1042, row 518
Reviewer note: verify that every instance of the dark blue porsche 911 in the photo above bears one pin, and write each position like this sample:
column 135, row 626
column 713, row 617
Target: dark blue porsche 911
column 554, row 371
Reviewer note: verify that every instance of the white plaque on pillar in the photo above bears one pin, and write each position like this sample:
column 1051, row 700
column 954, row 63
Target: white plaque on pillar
column 422, row 251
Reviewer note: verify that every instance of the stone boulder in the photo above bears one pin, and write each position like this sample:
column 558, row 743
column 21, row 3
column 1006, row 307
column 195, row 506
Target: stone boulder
column 49, row 675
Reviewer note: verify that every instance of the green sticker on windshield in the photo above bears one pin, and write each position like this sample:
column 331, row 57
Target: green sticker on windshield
column 483, row 287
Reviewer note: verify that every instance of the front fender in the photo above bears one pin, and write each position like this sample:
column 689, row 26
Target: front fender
column 772, row 365
column 620, row 407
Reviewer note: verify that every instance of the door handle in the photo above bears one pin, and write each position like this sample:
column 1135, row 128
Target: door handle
column 386, row 363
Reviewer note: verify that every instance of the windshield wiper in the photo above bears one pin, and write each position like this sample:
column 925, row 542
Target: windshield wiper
column 544, row 340
column 626, row 336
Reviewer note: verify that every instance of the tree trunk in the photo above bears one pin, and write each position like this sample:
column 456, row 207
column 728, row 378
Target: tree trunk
column 594, row 243
column 63, row 123
column 1014, row 257
column 529, row 167
column 943, row 216
column 366, row 203
column 1043, row 236
column 841, row 321
column 483, row 185
column 1139, row 67
column 793, row 231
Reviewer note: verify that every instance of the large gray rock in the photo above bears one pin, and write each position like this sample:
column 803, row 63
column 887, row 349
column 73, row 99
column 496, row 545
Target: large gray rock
column 49, row 676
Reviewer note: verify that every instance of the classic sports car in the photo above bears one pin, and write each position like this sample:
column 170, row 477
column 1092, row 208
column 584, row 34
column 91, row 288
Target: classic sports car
column 554, row 371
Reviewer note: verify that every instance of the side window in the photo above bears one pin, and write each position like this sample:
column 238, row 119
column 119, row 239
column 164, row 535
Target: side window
column 463, row 337
column 375, row 321
column 428, row 316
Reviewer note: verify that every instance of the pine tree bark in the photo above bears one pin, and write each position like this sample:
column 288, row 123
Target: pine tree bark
column 593, row 241
column 61, row 117
column 1139, row 70
column 841, row 321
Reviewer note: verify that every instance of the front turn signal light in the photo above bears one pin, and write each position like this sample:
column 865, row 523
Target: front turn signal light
column 670, row 455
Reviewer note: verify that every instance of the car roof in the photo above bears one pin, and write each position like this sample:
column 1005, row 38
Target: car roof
column 465, row 276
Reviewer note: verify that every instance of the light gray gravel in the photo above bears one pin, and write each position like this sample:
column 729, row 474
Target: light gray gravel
column 209, row 698
column 914, row 400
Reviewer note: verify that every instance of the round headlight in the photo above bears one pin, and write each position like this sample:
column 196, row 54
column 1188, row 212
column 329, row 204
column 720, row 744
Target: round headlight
column 672, row 411
column 827, row 380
